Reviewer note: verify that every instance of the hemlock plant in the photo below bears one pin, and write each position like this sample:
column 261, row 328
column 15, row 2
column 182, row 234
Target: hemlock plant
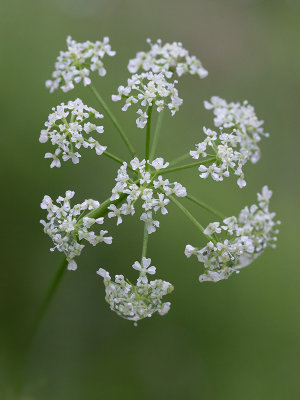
column 232, row 242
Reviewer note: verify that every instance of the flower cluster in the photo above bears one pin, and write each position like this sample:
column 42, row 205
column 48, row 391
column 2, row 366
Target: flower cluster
column 149, row 186
column 148, row 89
column 245, row 239
column 167, row 58
column 136, row 301
column 225, row 156
column 75, row 64
column 69, row 135
column 67, row 226
column 140, row 187
column 242, row 120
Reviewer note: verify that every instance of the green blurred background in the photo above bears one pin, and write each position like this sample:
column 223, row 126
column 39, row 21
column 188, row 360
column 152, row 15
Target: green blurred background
column 238, row 339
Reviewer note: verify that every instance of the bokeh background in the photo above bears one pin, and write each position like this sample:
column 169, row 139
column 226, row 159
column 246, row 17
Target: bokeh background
column 238, row 339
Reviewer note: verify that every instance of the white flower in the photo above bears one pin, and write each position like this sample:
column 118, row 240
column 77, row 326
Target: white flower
column 264, row 197
column 168, row 58
column 141, row 121
column 74, row 65
column 212, row 228
column 116, row 212
column 102, row 272
column 151, row 224
column 159, row 163
column 136, row 301
column 70, row 136
column 151, row 189
column 161, row 204
column 55, row 160
column 137, row 164
column 190, row 250
column 149, row 89
column 242, row 119
column 237, row 142
column 144, row 269
column 66, row 226
column 245, row 239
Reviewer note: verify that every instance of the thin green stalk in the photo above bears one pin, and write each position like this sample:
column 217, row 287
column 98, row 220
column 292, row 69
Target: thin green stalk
column 50, row 293
column 39, row 317
column 103, row 209
column 179, row 159
column 191, row 218
column 156, row 134
column 114, row 121
column 205, row 206
column 115, row 158
column 192, row 165
column 145, row 241
column 148, row 135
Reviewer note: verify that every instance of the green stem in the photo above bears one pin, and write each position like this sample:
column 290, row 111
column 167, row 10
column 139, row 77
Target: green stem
column 117, row 159
column 205, row 206
column 38, row 319
column 181, row 158
column 99, row 212
column 156, row 135
column 145, row 241
column 192, row 165
column 114, row 121
column 191, row 218
column 50, row 293
column 148, row 135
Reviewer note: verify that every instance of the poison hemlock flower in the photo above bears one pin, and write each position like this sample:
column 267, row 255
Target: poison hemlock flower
column 146, row 185
column 148, row 89
column 168, row 58
column 140, row 300
column 69, row 128
column 235, row 144
column 140, row 186
column 67, row 226
column 245, row 238
column 75, row 64
column 241, row 119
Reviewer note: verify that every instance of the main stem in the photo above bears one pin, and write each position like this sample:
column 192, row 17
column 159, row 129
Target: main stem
column 156, row 134
column 191, row 217
column 99, row 212
column 39, row 317
column 114, row 121
column 148, row 135
column 145, row 241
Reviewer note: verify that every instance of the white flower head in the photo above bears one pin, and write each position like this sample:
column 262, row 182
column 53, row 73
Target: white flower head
column 67, row 228
column 140, row 300
column 75, row 64
column 245, row 239
column 151, row 189
column 149, row 89
column 68, row 130
column 169, row 58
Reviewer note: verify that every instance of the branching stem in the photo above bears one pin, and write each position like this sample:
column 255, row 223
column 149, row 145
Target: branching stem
column 156, row 134
column 205, row 206
column 145, row 241
column 191, row 218
column 114, row 121
column 148, row 135
column 186, row 166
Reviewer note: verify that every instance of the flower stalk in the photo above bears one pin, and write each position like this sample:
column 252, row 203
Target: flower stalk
column 114, row 121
